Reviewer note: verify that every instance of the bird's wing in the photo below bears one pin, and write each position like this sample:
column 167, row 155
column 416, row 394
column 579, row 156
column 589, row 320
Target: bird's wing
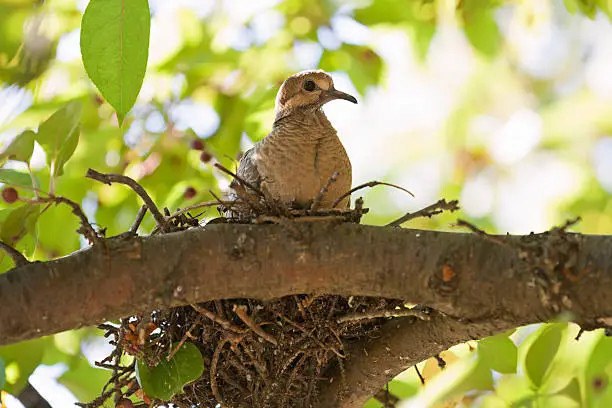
column 247, row 169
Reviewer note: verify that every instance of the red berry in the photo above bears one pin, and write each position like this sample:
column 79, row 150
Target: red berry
column 197, row 144
column 190, row 192
column 10, row 195
column 124, row 403
column 205, row 157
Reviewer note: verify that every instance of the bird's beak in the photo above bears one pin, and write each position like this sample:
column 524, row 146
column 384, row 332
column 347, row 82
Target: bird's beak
column 333, row 93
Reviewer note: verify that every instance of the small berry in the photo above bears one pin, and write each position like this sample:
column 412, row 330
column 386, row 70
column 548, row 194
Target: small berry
column 205, row 157
column 197, row 144
column 189, row 193
column 10, row 195
column 124, row 403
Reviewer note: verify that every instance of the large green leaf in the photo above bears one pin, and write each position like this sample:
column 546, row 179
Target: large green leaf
column 541, row 352
column 84, row 381
column 115, row 49
column 499, row 353
column 482, row 31
column 20, row 221
column 59, row 136
column 169, row 377
column 20, row 360
column 20, row 149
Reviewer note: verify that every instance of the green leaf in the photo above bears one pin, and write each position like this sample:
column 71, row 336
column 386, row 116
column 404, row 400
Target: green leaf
column 115, row 49
column 542, row 351
column 402, row 390
column 482, row 31
column 59, row 135
column 499, row 353
column 588, row 7
column 18, row 223
column 21, row 359
column 169, row 377
column 571, row 6
column 20, row 149
column 84, row 381
column 15, row 178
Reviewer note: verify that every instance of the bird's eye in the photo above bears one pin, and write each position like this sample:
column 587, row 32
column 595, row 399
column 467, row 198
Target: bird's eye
column 309, row 85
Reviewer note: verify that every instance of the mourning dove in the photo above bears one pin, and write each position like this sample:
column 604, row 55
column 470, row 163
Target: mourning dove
column 303, row 150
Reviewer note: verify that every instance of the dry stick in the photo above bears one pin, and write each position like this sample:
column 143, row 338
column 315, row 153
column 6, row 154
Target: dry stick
column 119, row 178
column 139, row 217
column 86, row 229
column 196, row 206
column 429, row 211
column 365, row 185
column 241, row 312
column 239, row 179
column 317, row 200
column 215, row 318
column 213, row 371
column 383, row 313
column 478, row 231
column 15, row 255
column 187, row 334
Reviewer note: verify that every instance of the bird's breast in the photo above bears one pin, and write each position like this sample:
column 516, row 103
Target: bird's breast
column 294, row 168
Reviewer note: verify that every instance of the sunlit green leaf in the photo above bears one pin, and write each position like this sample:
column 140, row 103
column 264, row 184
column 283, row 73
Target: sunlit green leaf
column 169, row 377
column 15, row 178
column 402, row 389
column 59, row 135
column 23, row 358
column 84, row 390
column 482, row 31
column 115, row 49
column 499, row 353
column 18, row 222
column 20, row 149
column 542, row 351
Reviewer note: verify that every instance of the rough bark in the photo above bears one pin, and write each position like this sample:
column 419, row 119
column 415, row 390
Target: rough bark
column 480, row 285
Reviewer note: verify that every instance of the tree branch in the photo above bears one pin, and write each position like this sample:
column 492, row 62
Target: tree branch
column 479, row 286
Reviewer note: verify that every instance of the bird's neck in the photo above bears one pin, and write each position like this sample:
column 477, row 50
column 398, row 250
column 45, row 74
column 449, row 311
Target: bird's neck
column 306, row 117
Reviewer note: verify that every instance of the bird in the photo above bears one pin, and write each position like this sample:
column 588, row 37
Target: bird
column 296, row 160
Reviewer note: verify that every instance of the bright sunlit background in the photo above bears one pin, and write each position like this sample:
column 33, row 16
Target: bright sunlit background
column 511, row 115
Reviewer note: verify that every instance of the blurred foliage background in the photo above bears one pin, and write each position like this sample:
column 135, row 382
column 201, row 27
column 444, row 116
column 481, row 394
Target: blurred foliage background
column 506, row 106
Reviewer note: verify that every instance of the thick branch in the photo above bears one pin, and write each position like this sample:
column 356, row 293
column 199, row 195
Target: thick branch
column 482, row 284
column 268, row 261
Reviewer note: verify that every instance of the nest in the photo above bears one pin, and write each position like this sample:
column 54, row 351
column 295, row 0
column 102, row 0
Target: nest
column 256, row 354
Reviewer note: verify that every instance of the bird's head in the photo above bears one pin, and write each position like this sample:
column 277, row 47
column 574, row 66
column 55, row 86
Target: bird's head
column 307, row 90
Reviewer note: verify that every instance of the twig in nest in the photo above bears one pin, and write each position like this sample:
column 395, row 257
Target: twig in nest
column 366, row 185
column 239, row 179
column 139, row 217
column 241, row 312
column 417, row 312
column 110, row 178
column 199, row 205
column 428, row 211
column 213, row 370
column 15, row 255
column 317, row 200
column 215, row 318
column 478, row 231
column 187, row 334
